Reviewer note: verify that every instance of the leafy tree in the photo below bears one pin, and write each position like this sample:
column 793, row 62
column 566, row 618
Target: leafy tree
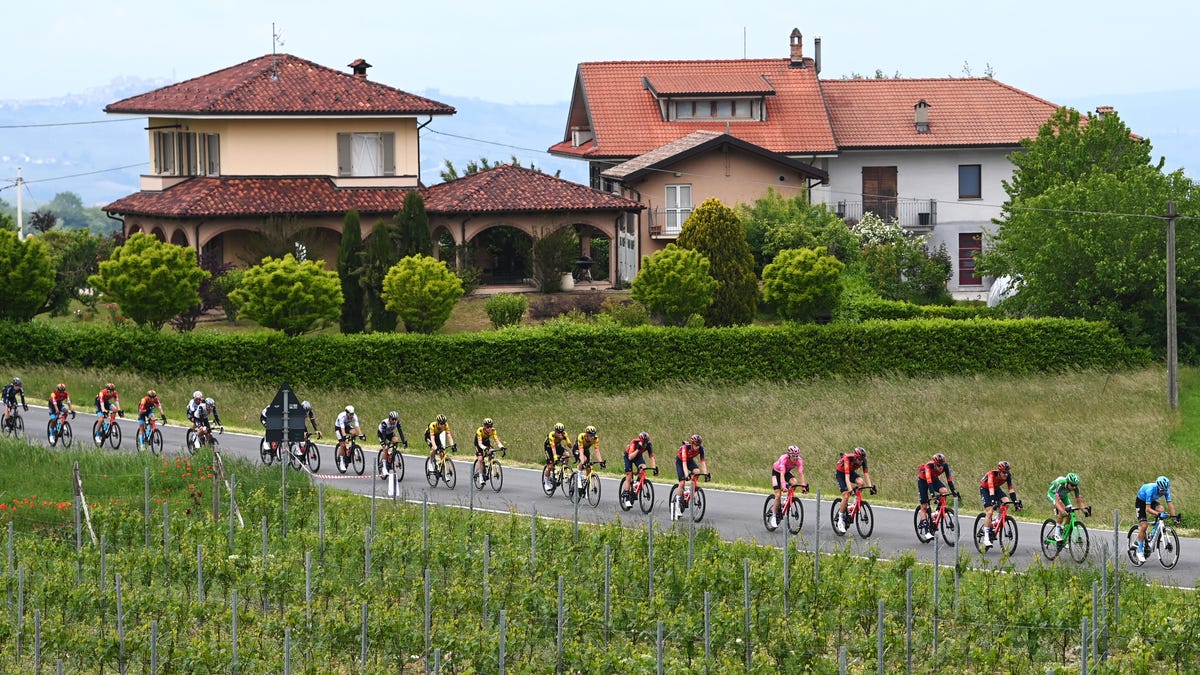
column 715, row 231
column 349, row 269
column 505, row 309
column 803, row 283
column 76, row 255
column 68, row 207
column 774, row 223
column 906, row 270
column 288, row 295
column 675, row 283
column 26, row 275
column 412, row 234
column 43, row 220
column 422, row 291
column 6, row 221
column 553, row 255
column 212, row 292
column 152, row 281
column 378, row 258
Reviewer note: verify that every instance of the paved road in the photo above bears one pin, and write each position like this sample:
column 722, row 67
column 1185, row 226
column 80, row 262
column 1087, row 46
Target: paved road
column 734, row 514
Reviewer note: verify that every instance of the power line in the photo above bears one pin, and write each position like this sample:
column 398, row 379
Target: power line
column 65, row 124
column 74, row 175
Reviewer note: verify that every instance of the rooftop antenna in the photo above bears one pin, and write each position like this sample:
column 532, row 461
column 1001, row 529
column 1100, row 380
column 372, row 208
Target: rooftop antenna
column 276, row 39
column 743, row 42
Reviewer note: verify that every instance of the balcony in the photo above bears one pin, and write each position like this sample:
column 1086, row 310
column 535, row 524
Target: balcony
column 916, row 215
column 666, row 223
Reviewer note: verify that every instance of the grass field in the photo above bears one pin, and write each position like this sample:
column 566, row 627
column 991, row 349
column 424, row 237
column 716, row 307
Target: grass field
column 1115, row 429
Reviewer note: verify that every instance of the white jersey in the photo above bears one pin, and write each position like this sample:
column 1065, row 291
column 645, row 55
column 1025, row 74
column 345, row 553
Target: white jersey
column 346, row 422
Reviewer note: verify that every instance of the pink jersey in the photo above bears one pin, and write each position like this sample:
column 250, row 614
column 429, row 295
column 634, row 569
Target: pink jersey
column 785, row 464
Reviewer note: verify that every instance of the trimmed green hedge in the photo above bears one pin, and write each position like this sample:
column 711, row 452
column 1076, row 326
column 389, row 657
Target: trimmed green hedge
column 866, row 309
column 609, row 358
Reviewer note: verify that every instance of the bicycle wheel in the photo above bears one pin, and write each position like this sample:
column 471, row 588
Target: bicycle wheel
column 673, row 500
column 646, row 497
column 921, row 526
column 949, row 526
column 1008, row 536
column 398, row 465
column 1168, row 547
column 477, row 478
column 1131, row 550
column 593, row 490
column 864, row 520
column 574, row 491
column 342, row 464
column 449, row 475
column 18, row 430
column 431, row 474
column 622, row 492
column 51, row 437
column 548, row 483
column 190, row 442
column 834, row 512
column 114, row 436
column 357, row 459
column 98, row 433
column 697, row 505
column 380, row 464
column 977, row 532
column 312, row 456
column 566, row 483
column 1078, row 542
column 265, row 453
column 794, row 516
column 1050, row 548
column 156, row 442
column 768, row 507
column 497, row 477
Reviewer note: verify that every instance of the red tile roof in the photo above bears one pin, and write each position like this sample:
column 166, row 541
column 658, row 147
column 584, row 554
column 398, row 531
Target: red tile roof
column 625, row 118
column 682, row 84
column 503, row 189
column 279, row 85
column 509, row 188
column 699, row 142
column 962, row 112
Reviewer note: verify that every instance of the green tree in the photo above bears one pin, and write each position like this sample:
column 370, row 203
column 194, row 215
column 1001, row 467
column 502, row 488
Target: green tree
column 378, row 258
column 774, row 223
column 675, row 283
column 715, row 231
column 150, row 280
column 412, row 231
column 907, row 270
column 422, row 291
column 76, row 255
column 289, row 296
column 68, row 207
column 803, row 284
column 26, row 275
column 553, row 255
column 349, row 270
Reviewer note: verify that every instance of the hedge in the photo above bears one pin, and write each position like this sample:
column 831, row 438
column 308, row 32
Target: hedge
column 609, row 358
column 866, row 309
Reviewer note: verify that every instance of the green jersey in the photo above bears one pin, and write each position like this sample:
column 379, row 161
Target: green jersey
column 1059, row 487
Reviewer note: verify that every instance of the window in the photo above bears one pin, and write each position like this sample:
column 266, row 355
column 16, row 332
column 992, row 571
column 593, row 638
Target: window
column 726, row 108
column 970, row 244
column 678, row 207
column 366, row 154
column 186, row 153
column 970, row 181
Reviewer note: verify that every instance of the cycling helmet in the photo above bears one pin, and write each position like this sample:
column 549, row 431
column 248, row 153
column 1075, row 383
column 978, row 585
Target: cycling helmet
column 349, row 410
column 1073, row 479
column 209, row 402
column 590, row 430
column 306, row 405
column 16, row 381
column 152, row 394
column 1163, row 483
column 860, row 453
column 793, row 452
column 939, row 459
column 110, row 386
column 644, row 437
column 1003, row 466
column 560, row 428
column 61, row 387
column 487, row 422
column 393, row 415
column 695, row 439
column 197, row 394
column 441, row 419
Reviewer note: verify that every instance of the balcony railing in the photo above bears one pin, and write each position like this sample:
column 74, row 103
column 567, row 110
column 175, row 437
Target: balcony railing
column 915, row 214
column 666, row 223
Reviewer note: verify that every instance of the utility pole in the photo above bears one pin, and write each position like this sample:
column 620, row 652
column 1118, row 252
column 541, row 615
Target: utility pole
column 20, row 217
column 1172, row 336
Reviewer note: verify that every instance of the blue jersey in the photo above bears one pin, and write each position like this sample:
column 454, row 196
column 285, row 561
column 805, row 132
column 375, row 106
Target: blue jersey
column 1150, row 493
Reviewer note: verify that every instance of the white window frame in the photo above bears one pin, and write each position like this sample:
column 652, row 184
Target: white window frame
column 366, row 154
column 186, row 153
column 677, row 206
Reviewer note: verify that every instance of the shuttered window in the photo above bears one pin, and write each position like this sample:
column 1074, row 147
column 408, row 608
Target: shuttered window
column 366, row 154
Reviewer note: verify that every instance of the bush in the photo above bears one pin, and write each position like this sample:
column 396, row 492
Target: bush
column 802, row 283
column 715, row 231
column 505, row 309
column 422, row 292
column 26, row 275
column 675, row 283
column 229, row 282
column 867, row 309
column 628, row 313
column 290, row 296
column 471, row 278
column 152, row 281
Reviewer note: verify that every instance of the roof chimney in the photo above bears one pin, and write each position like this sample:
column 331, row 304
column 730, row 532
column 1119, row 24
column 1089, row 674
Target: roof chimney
column 797, row 49
column 921, row 116
column 359, row 68
column 817, row 54
column 1102, row 110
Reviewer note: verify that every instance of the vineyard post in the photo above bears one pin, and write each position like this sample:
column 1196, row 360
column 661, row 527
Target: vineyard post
column 1083, row 646
column 487, row 563
column 746, row 584
column 103, row 560
column 146, row 509
column 503, row 622
column 374, row 482
column 216, row 492
column 471, row 493
column 425, row 524
column 428, row 619
column 120, row 627
column 232, row 487
column 937, row 576
column 1095, row 625
column 1104, row 589
column 199, row 574
column 154, row 647
column 166, row 532
column 363, row 639
column 659, row 640
column 842, row 660
column 233, row 629
column 75, row 513
column 437, row 661
column 957, row 541
column 37, row 640
column 607, row 589
column 308, row 588
column 879, row 639
column 558, row 633
column 287, row 651
column 650, row 558
column 707, row 632
column 283, row 497
column 908, row 619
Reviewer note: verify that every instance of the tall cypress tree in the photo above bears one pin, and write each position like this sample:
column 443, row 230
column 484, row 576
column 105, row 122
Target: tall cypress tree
column 716, row 231
column 412, row 235
column 379, row 257
column 349, row 268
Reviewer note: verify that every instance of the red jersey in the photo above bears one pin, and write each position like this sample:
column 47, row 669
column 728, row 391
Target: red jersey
column 687, row 452
column 992, row 481
column 105, row 396
column 148, row 404
column 850, row 463
column 929, row 472
column 58, row 398
column 637, row 448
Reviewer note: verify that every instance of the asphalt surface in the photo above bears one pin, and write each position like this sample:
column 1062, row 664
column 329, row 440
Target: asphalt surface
column 735, row 515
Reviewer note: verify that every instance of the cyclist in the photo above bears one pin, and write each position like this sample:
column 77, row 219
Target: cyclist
column 201, row 415
column 389, row 428
column 1147, row 502
column 486, row 440
column 929, row 479
column 107, row 403
column 193, row 406
column 439, row 437
column 686, row 456
column 60, row 403
column 1060, row 489
column 585, row 444
column 781, row 474
column 640, row 445
column 992, row 491
column 556, row 446
column 146, row 408
column 347, row 427
column 847, row 475
column 11, row 391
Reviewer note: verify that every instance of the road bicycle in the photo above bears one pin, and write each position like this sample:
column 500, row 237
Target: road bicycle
column 59, row 429
column 558, row 478
column 390, row 460
column 1162, row 540
column 793, row 511
column 584, row 480
column 14, row 424
column 269, row 451
column 941, row 519
column 201, row 437
column 150, row 435
column 355, row 453
column 1074, row 536
column 106, row 429
column 439, row 467
column 694, row 500
column 1004, row 529
column 491, row 472
column 858, row 511
column 642, row 487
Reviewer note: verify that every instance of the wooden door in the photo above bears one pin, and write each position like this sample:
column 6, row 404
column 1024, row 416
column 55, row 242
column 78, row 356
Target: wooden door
column 879, row 191
column 970, row 244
